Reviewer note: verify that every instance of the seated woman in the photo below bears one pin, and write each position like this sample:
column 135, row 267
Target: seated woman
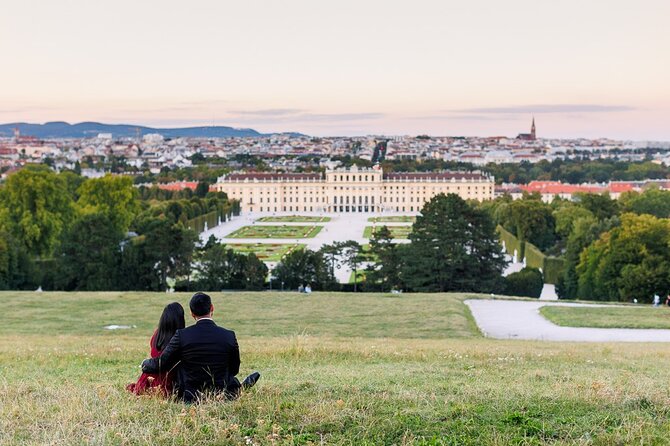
column 171, row 320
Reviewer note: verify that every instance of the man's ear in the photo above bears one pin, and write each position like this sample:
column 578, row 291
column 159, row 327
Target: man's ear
column 211, row 309
column 192, row 315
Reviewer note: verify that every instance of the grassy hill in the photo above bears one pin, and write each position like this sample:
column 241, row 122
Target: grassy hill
column 337, row 369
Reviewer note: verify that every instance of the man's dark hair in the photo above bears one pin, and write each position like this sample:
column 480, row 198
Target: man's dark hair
column 200, row 304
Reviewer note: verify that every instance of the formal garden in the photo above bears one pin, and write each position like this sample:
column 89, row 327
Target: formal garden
column 267, row 252
column 275, row 231
column 293, row 219
column 399, row 232
column 393, row 219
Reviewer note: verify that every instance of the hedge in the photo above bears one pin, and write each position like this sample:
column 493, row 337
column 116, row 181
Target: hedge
column 511, row 242
column 552, row 267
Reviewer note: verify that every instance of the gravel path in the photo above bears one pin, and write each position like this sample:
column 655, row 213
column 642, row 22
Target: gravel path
column 508, row 319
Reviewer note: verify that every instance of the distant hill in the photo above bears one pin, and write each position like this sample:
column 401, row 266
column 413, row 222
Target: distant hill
column 91, row 130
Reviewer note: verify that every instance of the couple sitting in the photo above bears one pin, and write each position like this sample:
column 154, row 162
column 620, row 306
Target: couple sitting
column 189, row 361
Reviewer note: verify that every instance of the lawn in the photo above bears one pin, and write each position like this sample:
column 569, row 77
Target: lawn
column 267, row 252
column 396, row 231
column 337, row 369
column 284, row 231
column 393, row 219
column 294, row 219
column 604, row 317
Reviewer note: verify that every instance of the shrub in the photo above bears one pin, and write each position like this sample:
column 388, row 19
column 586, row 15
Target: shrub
column 527, row 282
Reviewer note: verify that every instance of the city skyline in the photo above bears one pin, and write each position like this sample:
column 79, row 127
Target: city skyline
column 583, row 69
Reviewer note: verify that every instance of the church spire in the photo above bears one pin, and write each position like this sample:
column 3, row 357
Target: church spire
column 532, row 129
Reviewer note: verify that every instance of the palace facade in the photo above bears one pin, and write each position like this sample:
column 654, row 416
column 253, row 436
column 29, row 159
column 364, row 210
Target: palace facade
column 350, row 190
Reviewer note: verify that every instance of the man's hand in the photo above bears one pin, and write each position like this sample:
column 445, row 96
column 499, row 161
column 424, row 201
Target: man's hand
column 146, row 365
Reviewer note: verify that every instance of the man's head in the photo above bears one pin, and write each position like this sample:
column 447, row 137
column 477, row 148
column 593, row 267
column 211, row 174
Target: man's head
column 201, row 305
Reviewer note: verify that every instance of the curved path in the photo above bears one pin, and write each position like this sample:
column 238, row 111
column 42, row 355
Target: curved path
column 509, row 319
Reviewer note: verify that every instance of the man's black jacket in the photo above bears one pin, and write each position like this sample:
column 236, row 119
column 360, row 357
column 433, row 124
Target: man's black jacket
column 210, row 359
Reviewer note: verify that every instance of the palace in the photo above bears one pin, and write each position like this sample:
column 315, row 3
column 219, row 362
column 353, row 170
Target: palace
column 349, row 190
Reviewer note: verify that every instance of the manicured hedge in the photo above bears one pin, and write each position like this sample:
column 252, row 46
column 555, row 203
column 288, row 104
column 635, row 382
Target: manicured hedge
column 552, row 267
column 534, row 257
column 511, row 242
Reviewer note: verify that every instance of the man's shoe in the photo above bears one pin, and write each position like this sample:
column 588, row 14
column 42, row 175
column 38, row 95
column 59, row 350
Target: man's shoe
column 250, row 380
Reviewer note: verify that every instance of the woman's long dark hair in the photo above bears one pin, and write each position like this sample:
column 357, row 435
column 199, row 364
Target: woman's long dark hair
column 171, row 320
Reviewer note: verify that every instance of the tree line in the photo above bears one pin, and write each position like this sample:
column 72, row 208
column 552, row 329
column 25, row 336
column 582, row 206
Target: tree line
column 614, row 250
column 66, row 232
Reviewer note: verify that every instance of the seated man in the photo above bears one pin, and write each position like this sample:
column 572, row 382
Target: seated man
column 209, row 356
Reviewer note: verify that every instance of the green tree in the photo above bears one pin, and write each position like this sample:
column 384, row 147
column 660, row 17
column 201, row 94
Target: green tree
column 89, row 257
column 255, row 272
column 652, row 201
column 386, row 269
column 37, row 207
column 303, row 267
column 171, row 246
column 350, row 253
column 202, row 189
column 530, row 220
column 631, row 261
column 113, row 196
column 602, row 206
column 454, row 247
column 566, row 215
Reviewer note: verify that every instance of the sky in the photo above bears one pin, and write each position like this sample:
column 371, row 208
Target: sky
column 582, row 68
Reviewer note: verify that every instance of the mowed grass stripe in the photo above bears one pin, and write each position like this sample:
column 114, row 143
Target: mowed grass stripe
column 603, row 317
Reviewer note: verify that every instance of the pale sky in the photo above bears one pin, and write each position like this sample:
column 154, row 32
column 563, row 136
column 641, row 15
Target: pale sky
column 591, row 68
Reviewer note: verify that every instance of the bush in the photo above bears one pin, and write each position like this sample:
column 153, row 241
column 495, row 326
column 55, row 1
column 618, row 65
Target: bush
column 527, row 282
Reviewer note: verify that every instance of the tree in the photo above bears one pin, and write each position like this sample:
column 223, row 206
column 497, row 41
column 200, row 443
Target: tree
column 566, row 215
column 530, row 220
column 387, row 261
column 89, row 257
column 585, row 231
column 631, row 261
column 255, row 272
column 652, row 201
column 600, row 205
column 218, row 268
column 303, row 267
column 350, row 252
column 171, row 246
column 202, row 189
column 113, row 196
column 38, row 208
column 454, row 247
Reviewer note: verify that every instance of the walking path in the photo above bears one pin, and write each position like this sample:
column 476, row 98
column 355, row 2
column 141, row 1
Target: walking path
column 508, row 319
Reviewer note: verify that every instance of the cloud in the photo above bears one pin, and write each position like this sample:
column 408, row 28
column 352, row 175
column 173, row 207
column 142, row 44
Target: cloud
column 294, row 116
column 547, row 108
column 463, row 117
column 339, row 116
column 268, row 112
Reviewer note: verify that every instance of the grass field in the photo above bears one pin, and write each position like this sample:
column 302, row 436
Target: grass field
column 603, row 317
column 393, row 219
column 294, row 219
column 283, row 231
column 350, row 369
column 396, row 231
column 267, row 252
